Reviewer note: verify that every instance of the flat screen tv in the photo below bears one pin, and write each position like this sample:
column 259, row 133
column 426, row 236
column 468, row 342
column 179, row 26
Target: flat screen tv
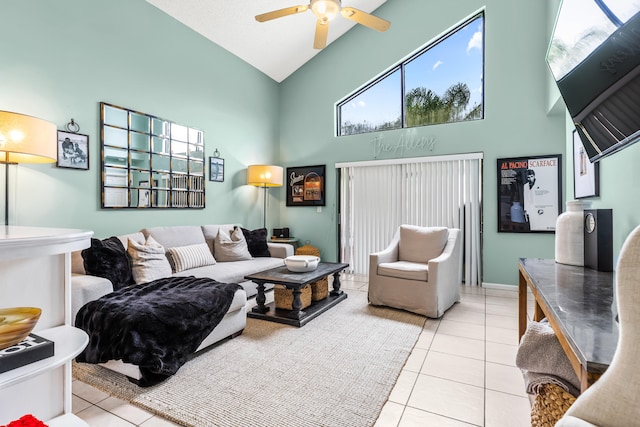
column 594, row 56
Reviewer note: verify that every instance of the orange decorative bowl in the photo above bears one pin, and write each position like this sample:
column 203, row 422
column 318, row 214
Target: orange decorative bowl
column 16, row 323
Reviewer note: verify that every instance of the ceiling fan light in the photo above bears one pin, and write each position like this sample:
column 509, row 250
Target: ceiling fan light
column 325, row 9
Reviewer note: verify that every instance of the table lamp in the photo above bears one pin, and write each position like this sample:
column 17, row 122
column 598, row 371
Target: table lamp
column 264, row 176
column 24, row 139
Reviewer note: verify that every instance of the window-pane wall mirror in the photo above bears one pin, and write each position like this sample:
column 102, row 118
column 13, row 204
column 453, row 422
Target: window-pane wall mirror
column 149, row 162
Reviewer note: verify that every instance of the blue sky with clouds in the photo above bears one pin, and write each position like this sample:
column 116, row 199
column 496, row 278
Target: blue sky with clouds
column 458, row 58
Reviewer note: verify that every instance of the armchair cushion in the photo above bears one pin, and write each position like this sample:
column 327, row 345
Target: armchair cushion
column 404, row 270
column 420, row 244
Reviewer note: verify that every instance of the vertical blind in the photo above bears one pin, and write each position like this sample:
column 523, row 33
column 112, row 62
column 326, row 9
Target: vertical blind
column 376, row 197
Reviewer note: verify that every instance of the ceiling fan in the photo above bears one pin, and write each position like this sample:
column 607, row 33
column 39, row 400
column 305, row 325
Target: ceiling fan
column 326, row 10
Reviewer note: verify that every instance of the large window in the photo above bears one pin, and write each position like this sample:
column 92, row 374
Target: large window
column 442, row 83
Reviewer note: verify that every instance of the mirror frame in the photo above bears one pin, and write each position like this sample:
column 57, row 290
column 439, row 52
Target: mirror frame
column 149, row 162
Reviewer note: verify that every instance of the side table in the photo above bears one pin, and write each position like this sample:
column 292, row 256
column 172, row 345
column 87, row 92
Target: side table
column 293, row 241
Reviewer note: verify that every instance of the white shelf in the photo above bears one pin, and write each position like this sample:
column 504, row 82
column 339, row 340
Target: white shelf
column 28, row 242
column 69, row 342
column 66, row 420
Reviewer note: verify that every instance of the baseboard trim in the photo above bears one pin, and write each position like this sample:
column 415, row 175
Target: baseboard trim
column 504, row 287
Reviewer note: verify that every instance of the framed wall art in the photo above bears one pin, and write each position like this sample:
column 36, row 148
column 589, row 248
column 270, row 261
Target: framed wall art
column 306, row 186
column 216, row 169
column 529, row 193
column 73, row 150
column 586, row 175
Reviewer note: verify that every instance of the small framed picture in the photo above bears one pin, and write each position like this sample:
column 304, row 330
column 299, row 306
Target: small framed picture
column 586, row 175
column 73, row 150
column 216, row 169
column 305, row 186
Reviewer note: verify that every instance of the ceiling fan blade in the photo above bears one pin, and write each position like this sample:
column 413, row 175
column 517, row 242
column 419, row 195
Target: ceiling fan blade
column 365, row 19
column 281, row 12
column 322, row 29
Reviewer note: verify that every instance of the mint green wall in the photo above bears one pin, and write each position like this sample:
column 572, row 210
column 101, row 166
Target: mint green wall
column 60, row 59
column 516, row 104
column 618, row 190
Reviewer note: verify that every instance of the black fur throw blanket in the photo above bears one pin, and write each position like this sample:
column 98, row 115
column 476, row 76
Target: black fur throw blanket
column 156, row 325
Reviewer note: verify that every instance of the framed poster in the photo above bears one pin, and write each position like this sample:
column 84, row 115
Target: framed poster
column 216, row 169
column 586, row 175
column 73, row 150
column 529, row 193
column 306, row 186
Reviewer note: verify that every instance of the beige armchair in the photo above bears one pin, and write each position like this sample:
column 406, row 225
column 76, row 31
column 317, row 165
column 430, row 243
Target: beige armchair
column 613, row 400
column 420, row 271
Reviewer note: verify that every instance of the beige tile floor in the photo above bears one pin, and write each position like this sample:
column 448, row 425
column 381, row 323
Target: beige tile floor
column 461, row 372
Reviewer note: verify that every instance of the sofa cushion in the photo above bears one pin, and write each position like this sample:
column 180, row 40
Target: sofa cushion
column 231, row 247
column 405, row 270
column 210, row 233
column 420, row 244
column 257, row 242
column 235, row 271
column 136, row 237
column 148, row 261
column 191, row 256
column 177, row 235
column 107, row 258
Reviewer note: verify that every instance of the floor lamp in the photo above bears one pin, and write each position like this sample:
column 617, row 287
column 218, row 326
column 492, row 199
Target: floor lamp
column 264, row 176
column 24, row 139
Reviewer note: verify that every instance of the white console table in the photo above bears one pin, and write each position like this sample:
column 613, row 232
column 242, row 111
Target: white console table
column 35, row 271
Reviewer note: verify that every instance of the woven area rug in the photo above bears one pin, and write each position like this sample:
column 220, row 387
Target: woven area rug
column 337, row 370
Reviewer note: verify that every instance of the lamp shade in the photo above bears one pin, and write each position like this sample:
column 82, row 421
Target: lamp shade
column 26, row 139
column 264, row 176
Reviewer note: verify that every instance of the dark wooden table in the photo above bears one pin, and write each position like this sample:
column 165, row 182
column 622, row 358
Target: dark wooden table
column 295, row 282
column 579, row 304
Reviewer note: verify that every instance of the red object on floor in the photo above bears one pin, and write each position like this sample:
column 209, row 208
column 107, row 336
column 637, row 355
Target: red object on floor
column 26, row 421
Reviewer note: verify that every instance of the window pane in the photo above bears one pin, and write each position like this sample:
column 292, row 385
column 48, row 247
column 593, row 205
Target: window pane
column 444, row 83
column 377, row 108
column 623, row 9
column 574, row 39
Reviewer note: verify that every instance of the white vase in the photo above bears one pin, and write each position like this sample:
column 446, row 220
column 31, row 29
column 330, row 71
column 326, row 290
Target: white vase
column 570, row 235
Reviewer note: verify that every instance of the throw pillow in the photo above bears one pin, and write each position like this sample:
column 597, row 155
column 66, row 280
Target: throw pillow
column 191, row 256
column 257, row 242
column 231, row 247
column 148, row 261
column 420, row 244
column 107, row 258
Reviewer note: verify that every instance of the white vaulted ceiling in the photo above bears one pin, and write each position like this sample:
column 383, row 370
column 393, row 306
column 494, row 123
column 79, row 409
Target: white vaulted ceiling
column 277, row 47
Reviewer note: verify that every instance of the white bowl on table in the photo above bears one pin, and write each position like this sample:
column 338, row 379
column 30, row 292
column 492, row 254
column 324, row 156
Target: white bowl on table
column 301, row 263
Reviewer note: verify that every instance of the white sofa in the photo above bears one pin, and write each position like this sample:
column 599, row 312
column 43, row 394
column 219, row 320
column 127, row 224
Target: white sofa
column 87, row 288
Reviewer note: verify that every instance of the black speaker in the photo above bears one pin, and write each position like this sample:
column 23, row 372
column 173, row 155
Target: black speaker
column 598, row 239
